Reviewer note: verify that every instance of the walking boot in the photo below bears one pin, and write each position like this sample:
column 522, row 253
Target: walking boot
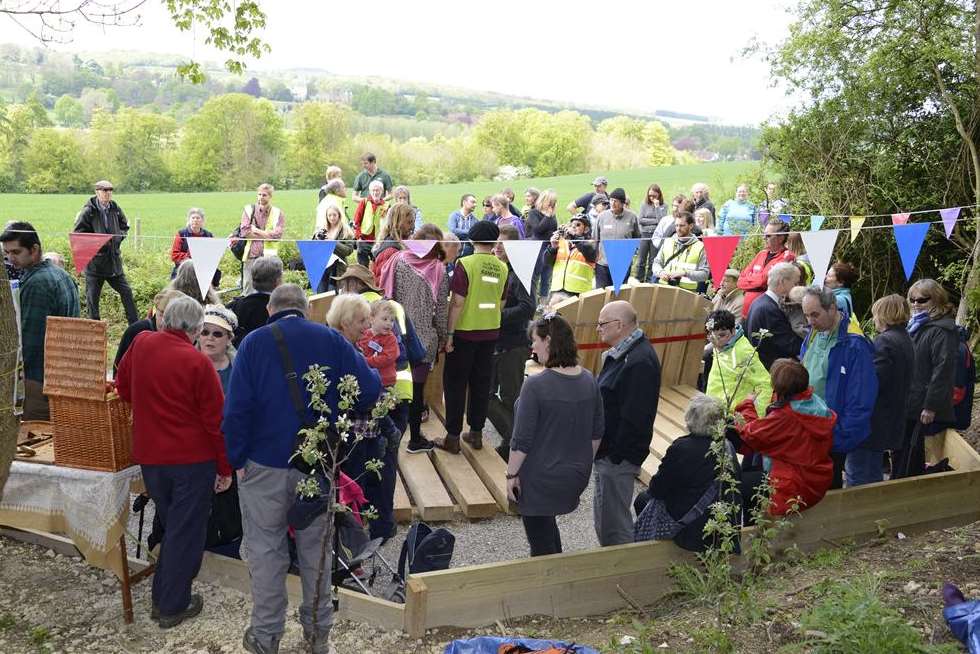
column 193, row 609
column 251, row 644
column 450, row 443
column 475, row 439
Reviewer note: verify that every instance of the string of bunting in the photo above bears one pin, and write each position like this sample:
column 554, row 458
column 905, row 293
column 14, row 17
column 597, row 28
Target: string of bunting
column 318, row 255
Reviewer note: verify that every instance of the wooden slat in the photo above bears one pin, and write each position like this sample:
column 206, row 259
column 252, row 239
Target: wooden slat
column 431, row 499
column 648, row 468
column 962, row 456
column 660, row 312
column 403, row 506
column 672, row 366
column 675, row 398
column 492, row 472
column 672, row 414
column 686, row 390
column 464, row 484
column 320, row 305
column 433, row 391
column 590, row 304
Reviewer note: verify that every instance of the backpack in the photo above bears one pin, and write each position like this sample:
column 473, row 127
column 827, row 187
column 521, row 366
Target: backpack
column 425, row 550
column 238, row 243
column 964, row 382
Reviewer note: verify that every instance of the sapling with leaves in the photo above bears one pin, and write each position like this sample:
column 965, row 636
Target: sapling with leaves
column 323, row 449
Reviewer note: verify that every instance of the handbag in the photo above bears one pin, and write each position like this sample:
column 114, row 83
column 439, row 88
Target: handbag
column 238, row 243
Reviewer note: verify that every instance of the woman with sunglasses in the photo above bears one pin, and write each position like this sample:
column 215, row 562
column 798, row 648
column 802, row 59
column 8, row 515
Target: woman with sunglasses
column 215, row 340
column 930, row 401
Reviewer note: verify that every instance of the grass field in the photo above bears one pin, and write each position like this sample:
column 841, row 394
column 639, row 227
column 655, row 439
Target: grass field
column 161, row 214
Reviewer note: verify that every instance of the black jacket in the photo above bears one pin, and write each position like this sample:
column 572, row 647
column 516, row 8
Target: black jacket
column 630, row 387
column 782, row 340
column 108, row 261
column 538, row 226
column 145, row 325
column 685, row 473
column 894, row 360
column 517, row 313
column 936, row 344
column 251, row 313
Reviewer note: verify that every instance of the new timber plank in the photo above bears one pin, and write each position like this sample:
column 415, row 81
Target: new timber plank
column 464, row 484
column 492, row 472
column 431, row 499
column 403, row 506
column 648, row 468
column 675, row 398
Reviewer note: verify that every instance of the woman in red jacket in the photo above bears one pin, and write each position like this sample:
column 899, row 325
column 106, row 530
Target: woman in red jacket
column 795, row 437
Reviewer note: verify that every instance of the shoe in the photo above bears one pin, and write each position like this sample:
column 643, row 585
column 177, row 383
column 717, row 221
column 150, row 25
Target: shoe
column 192, row 610
column 323, row 645
column 449, row 443
column 421, row 447
column 475, row 439
column 252, row 644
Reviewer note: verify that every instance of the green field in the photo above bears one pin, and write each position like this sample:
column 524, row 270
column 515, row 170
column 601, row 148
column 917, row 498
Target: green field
column 160, row 215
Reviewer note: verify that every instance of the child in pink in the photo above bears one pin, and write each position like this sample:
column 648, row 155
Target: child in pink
column 379, row 344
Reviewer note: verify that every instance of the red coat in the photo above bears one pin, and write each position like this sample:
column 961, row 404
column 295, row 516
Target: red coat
column 381, row 352
column 798, row 443
column 754, row 279
column 177, row 401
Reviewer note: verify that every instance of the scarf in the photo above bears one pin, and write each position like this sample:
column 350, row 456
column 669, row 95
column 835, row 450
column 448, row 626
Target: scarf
column 624, row 345
column 431, row 270
column 916, row 321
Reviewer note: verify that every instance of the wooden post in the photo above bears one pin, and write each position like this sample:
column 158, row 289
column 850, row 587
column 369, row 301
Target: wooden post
column 137, row 242
column 127, row 594
column 416, row 606
column 8, row 362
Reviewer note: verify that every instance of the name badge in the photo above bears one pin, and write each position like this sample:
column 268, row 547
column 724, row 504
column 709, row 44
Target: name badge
column 486, row 305
column 376, row 346
column 490, row 280
column 843, row 371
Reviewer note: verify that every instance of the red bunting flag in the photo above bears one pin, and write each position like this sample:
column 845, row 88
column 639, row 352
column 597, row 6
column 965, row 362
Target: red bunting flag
column 84, row 247
column 900, row 218
column 719, row 251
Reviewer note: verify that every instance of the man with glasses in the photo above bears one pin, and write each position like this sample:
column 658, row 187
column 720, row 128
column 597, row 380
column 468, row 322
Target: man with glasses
column 630, row 385
column 754, row 278
column 101, row 215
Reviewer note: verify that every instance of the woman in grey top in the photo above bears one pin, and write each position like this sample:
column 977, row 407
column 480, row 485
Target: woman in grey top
column 651, row 211
column 558, row 424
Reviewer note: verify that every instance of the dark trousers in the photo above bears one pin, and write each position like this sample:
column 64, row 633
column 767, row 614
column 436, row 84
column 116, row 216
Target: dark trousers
column 506, row 378
column 644, row 259
column 838, row 458
column 467, row 369
column 415, row 411
column 542, row 532
column 603, row 277
column 182, row 495
column 93, row 295
column 541, row 279
column 910, row 461
column 355, row 467
column 384, row 526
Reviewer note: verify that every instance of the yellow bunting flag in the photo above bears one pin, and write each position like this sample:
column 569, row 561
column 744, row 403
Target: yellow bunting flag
column 857, row 222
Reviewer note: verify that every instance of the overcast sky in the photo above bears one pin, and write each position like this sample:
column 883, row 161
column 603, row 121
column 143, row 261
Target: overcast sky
column 645, row 55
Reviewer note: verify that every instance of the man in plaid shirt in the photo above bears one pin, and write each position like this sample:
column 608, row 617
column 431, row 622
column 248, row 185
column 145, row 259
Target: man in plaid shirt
column 45, row 290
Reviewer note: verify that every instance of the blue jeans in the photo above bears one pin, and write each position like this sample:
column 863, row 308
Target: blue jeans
column 863, row 467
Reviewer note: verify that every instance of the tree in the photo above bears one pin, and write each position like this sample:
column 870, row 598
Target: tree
column 252, row 88
column 656, row 140
column 54, row 163
column 321, row 132
column 135, row 144
column 69, row 112
column 232, row 143
column 230, row 25
column 889, row 123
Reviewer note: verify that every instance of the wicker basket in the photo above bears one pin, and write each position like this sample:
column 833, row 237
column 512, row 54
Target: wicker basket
column 75, row 358
column 91, row 434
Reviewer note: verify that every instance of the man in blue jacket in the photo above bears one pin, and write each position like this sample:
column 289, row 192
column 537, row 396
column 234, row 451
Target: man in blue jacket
column 840, row 361
column 260, row 427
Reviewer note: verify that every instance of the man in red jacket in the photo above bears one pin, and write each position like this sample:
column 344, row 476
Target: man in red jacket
column 177, row 405
column 755, row 277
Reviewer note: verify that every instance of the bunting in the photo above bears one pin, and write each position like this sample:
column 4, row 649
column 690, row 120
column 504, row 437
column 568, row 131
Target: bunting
column 900, row 218
column 206, row 254
column 857, row 222
column 816, row 222
column 317, row 257
column 523, row 255
column 949, row 217
column 820, row 248
column 763, row 218
column 619, row 258
column 84, row 247
column 719, row 251
column 909, row 239
column 419, row 248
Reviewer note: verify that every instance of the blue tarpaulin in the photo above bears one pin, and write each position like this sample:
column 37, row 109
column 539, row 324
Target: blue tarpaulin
column 490, row 645
column 964, row 621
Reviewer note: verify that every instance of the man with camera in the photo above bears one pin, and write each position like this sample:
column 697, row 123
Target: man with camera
column 572, row 253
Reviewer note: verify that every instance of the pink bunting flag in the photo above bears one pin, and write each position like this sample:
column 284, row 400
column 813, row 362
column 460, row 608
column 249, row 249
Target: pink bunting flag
column 84, row 247
column 719, row 251
column 900, row 218
column 949, row 217
column 420, row 248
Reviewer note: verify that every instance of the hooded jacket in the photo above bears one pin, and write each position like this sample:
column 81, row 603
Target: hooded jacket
column 797, row 436
column 852, row 384
column 934, row 373
column 107, row 262
column 754, row 278
column 737, row 371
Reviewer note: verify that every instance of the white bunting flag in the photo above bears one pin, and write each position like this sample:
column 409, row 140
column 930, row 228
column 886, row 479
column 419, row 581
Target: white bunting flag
column 820, row 248
column 206, row 254
column 523, row 255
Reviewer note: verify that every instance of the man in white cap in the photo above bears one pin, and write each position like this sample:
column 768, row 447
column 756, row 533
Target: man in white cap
column 584, row 203
column 101, row 215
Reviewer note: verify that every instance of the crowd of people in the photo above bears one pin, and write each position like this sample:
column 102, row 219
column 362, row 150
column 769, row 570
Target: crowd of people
column 801, row 393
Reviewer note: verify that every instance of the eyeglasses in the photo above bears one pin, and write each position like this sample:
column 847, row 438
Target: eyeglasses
column 217, row 333
column 107, row 190
column 601, row 324
column 920, row 300
column 486, row 206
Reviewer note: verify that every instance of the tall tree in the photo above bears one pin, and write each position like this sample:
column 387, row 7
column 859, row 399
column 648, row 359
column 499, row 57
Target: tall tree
column 321, row 132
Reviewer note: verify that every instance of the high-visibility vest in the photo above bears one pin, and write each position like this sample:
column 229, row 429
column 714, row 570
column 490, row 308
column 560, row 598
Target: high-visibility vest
column 270, row 223
column 572, row 271
column 373, row 218
column 685, row 262
column 403, row 372
column 487, row 277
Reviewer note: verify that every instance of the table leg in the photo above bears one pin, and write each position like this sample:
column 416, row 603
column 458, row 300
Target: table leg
column 127, row 595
